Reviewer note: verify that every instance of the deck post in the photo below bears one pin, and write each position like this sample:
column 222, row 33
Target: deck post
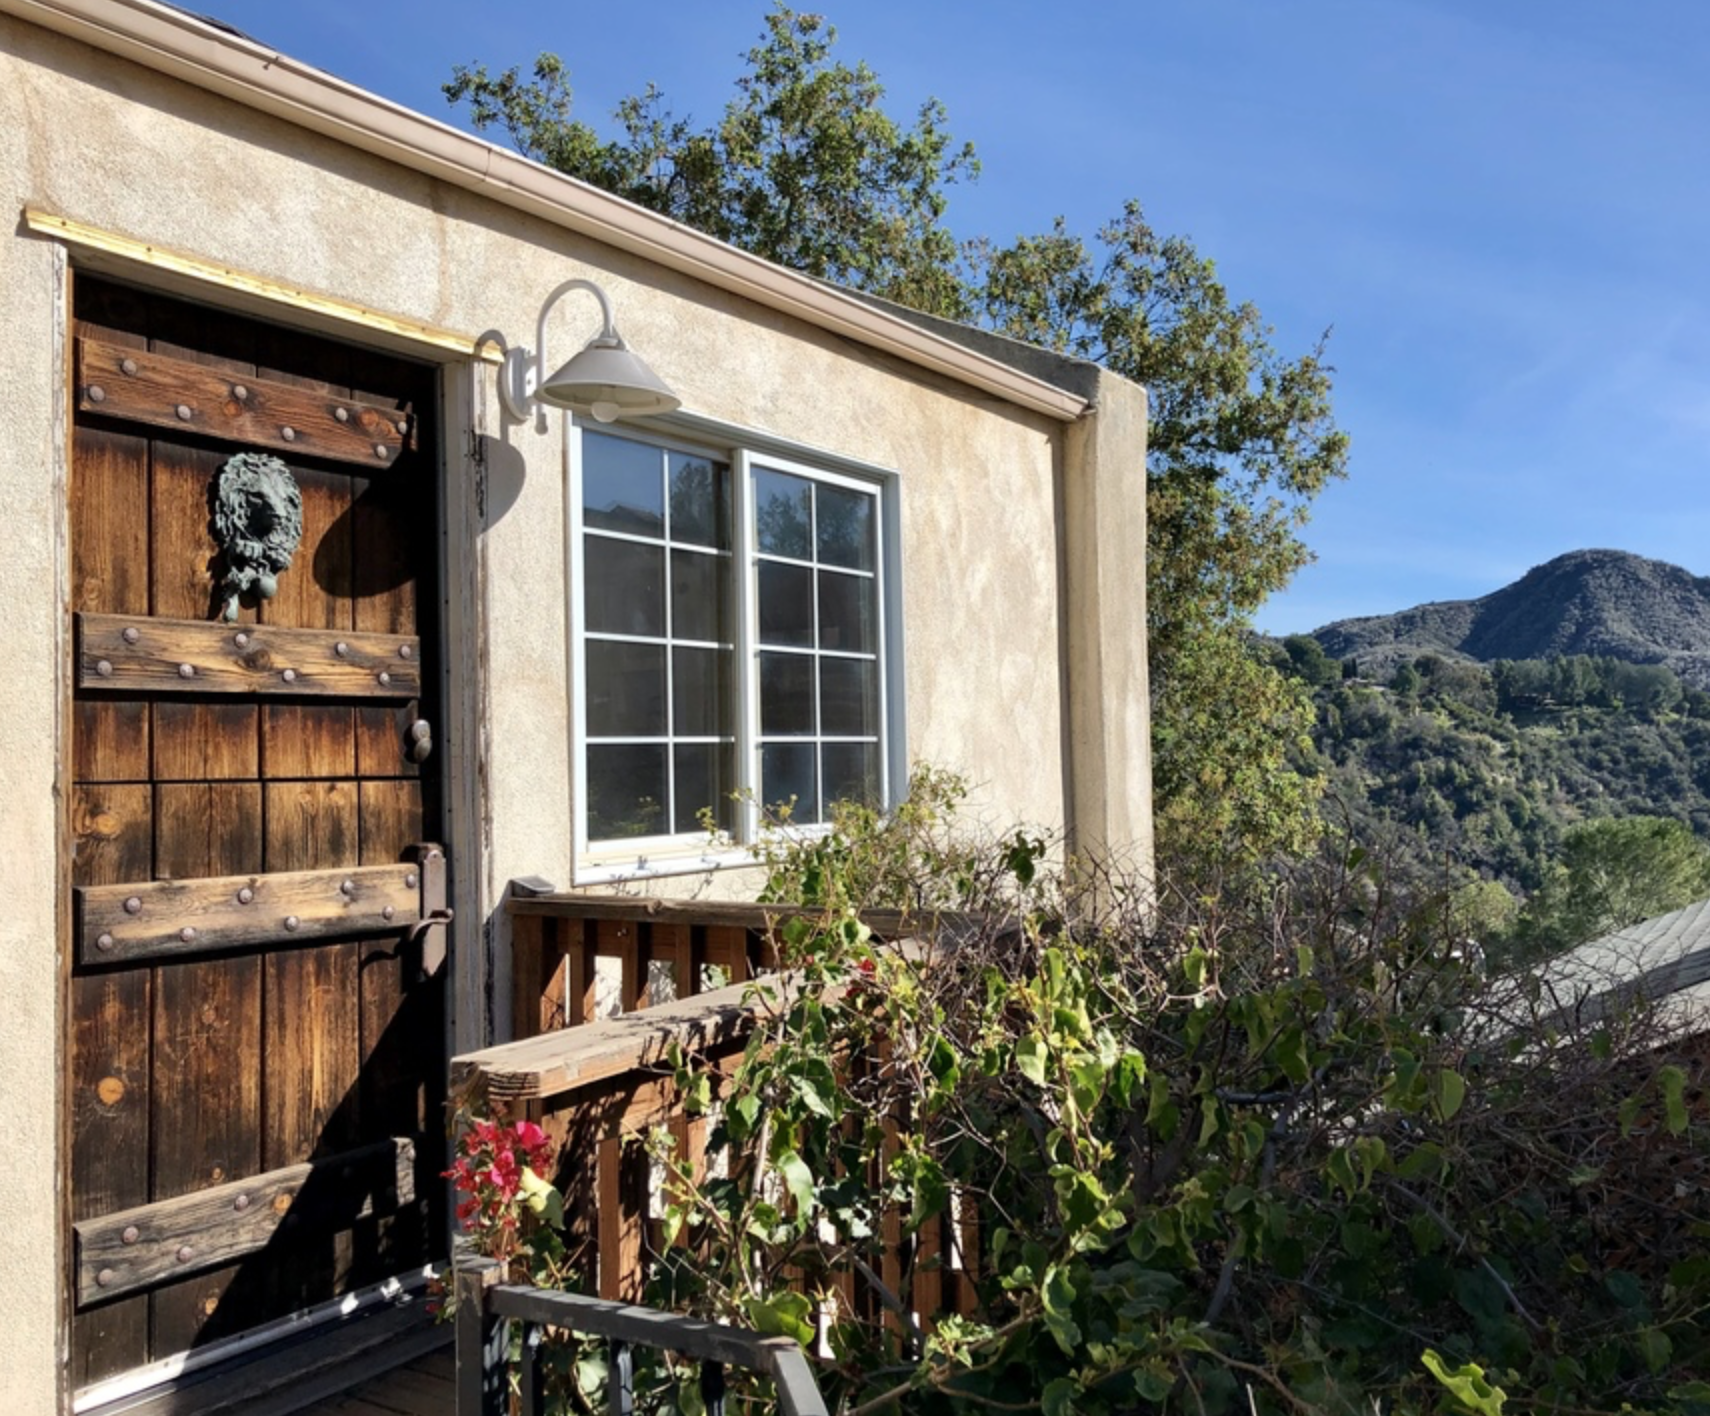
column 483, row 1388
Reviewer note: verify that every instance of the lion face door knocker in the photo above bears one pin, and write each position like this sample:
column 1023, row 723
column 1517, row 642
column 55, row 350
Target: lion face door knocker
column 258, row 523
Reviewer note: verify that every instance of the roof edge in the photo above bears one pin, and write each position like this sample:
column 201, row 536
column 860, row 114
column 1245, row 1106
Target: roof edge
column 1068, row 372
column 186, row 47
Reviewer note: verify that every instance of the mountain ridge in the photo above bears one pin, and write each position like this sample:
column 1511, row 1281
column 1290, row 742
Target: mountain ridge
column 1605, row 603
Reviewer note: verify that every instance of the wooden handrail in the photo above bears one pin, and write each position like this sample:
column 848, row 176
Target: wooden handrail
column 485, row 1306
column 553, row 1063
column 550, row 1064
column 575, row 904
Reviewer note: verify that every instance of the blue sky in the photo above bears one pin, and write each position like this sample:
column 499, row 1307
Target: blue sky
column 1501, row 212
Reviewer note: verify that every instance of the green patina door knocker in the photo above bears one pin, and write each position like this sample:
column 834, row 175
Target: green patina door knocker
column 258, row 523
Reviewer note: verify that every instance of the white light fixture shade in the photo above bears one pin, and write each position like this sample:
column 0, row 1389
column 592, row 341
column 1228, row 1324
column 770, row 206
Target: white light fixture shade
column 609, row 381
column 605, row 379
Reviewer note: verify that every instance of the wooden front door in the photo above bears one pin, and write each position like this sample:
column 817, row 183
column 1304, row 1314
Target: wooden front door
column 257, row 1039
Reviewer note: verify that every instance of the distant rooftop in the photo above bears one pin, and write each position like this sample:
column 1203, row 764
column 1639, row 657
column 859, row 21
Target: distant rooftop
column 1666, row 959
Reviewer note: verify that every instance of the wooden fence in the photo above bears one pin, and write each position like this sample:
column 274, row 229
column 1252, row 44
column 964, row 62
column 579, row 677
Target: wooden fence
column 603, row 988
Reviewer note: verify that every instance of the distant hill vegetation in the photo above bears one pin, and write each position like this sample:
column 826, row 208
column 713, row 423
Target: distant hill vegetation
column 1602, row 604
column 1542, row 752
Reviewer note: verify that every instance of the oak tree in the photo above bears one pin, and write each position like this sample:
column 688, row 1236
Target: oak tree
column 806, row 168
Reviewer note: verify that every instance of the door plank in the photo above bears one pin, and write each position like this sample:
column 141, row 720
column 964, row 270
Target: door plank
column 109, row 541
column 112, row 831
column 109, row 1083
column 207, row 829
column 206, row 741
column 184, row 918
column 313, row 1062
column 311, row 825
column 138, row 654
column 110, row 741
column 184, row 553
column 299, row 740
column 384, row 738
column 402, row 1028
column 156, row 388
column 132, row 1248
column 207, row 1057
column 313, row 1054
column 311, row 740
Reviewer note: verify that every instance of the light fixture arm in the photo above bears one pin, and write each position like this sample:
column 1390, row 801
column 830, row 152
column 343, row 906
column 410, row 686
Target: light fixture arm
column 605, row 363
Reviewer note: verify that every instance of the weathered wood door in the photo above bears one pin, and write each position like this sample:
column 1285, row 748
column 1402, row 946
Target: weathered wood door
column 256, row 1047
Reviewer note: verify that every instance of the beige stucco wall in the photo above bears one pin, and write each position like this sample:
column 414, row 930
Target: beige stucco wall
column 31, row 568
column 1104, row 519
column 118, row 147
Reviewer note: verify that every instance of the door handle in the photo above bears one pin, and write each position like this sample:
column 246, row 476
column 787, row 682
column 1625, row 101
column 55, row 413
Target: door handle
column 419, row 740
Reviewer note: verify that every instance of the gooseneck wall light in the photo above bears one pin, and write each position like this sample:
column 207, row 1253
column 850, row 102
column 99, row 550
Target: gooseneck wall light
column 606, row 380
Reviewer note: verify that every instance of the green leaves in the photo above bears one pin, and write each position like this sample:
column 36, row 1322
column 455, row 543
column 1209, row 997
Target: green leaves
column 1448, row 1091
column 542, row 1198
column 1467, row 1384
column 1672, row 1082
column 798, row 1180
column 1030, row 1055
column 783, row 1314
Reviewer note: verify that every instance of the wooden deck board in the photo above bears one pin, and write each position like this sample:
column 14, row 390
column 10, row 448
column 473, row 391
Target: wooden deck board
column 423, row 1387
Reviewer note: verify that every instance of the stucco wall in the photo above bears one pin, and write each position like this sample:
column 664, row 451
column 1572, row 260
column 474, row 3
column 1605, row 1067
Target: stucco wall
column 118, row 147
column 31, row 569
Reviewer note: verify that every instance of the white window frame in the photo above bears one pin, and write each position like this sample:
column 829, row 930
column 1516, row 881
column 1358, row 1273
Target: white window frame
column 742, row 450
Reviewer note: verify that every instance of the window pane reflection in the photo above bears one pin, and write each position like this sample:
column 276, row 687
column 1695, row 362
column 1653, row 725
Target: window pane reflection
column 848, row 698
column 626, row 689
column 706, row 776
column 698, row 596
column 626, row 790
column 852, row 772
column 846, row 613
column 700, row 689
column 699, row 501
column 783, row 514
column 622, row 485
column 624, row 587
column 845, row 528
column 786, row 771
column 786, row 695
column 786, row 604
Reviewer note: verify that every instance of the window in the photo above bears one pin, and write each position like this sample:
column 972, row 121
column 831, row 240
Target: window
column 731, row 642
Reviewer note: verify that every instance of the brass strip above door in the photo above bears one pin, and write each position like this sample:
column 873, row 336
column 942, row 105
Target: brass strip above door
column 117, row 254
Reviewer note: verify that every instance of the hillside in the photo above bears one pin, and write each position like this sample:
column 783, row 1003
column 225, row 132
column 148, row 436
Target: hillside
column 1607, row 604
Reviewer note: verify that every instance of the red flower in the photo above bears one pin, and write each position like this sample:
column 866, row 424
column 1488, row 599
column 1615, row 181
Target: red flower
column 505, row 1174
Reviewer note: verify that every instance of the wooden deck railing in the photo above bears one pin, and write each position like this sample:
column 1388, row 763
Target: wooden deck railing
column 487, row 1308
column 603, row 989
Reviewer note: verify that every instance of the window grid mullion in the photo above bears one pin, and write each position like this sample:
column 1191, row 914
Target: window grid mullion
column 746, row 614
column 670, row 651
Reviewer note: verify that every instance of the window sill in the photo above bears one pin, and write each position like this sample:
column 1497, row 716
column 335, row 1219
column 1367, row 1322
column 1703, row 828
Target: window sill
column 615, row 867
